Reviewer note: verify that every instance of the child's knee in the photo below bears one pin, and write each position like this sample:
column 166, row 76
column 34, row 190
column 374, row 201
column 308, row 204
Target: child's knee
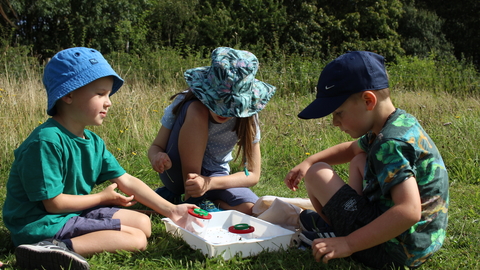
column 145, row 224
column 141, row 242
column 138, row 241
column 317, row 172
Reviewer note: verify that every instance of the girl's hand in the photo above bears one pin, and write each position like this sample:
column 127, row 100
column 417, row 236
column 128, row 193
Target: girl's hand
column 196, row 185
column 111, row 197
column 161, row 162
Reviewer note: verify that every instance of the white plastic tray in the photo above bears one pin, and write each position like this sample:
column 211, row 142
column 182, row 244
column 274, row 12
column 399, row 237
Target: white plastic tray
column 216, row 240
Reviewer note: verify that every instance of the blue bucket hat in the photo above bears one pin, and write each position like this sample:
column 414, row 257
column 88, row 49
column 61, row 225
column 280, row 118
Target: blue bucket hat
column 228, row 87
column 350, row 73
column 73, row 68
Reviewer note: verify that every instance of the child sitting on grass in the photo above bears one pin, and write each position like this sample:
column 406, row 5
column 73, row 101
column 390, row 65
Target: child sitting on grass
column 194, row 146
column 393, row 211
column 53, row 219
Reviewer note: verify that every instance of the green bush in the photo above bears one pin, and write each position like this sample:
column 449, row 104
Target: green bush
column 450, row 76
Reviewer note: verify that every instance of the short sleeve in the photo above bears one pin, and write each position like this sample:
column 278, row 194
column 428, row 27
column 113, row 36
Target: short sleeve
column 42, row 180
column 105, row 166
column 394, row 163
column 110, row 168
column 363, row 142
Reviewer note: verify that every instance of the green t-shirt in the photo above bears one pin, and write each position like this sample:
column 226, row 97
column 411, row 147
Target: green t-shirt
column 401, row 150
column 49, row 162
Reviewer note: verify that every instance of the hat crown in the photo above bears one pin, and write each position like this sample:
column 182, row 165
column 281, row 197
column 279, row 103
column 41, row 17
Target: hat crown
column 228, row 86
column 233, row 70
column 73, row 68
column 350, row 73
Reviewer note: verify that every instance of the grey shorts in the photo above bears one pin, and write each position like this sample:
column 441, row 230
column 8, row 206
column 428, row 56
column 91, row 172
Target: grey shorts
column 347, row 212
column 91, row 220
column 232, row 196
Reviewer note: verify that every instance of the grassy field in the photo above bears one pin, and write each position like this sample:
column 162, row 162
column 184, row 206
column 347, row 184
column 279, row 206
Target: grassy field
column 452, row 121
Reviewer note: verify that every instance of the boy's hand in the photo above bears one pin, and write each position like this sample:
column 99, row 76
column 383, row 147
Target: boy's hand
column 179, row 214
column 111, row 197
column 196, row 185
column 295, row 176
column 161, row 162
column 325, row 249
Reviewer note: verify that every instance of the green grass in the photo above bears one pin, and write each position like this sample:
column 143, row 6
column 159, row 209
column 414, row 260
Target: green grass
column 453, row 122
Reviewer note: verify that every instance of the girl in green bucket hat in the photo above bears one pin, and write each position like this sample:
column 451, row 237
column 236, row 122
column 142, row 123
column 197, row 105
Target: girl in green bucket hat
column 201, row 127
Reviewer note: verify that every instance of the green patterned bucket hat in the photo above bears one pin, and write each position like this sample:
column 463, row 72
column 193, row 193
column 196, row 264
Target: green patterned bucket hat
column 228, row 87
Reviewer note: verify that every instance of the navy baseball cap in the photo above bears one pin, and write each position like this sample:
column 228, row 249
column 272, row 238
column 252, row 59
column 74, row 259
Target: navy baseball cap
column 73, row 68
column 350, row 73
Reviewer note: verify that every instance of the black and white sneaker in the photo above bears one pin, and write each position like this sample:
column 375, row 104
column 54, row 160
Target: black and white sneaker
column 49, row 254
column 311, row 221
column 313, row 227
column 307, row 237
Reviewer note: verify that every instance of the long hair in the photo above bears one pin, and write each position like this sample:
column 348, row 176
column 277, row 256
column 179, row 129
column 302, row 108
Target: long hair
column 245, row 128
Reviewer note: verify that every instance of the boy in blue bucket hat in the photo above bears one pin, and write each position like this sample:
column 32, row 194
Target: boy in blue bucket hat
column 53, row 219
column 201, row 127
column 393, row 211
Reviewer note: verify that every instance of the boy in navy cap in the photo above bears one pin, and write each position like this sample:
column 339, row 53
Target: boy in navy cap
column 51, row 215
column 393, row 211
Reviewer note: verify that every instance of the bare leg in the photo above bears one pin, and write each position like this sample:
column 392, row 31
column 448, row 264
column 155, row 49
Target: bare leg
column 135, row 229
column 322, row 183
column 245, row 208
column 134, row 219
column 128, row 238
column 356, row 172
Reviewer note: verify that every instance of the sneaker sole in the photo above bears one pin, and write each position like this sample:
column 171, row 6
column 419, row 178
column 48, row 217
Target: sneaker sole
column 302, row 227
column 30, row 257
column 309, row 242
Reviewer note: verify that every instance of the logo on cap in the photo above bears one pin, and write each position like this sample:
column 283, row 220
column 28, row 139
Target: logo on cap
column 93, row 61
column 328, row 87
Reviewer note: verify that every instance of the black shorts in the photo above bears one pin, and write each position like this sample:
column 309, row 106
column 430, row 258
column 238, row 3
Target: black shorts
column 347, row 212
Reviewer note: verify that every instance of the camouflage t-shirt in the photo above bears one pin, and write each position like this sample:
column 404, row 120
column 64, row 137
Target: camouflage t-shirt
column 401, row 150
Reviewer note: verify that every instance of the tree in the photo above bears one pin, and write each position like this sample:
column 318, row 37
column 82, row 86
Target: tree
column 9, row 17
column 256, row 24
column 421, row 32
column 170, row 22
column 53, row 25
column 330, row 28
column 461, row 25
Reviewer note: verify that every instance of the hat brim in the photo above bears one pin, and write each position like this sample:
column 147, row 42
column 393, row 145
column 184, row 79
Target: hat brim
column 322, row 107
column 96, row 72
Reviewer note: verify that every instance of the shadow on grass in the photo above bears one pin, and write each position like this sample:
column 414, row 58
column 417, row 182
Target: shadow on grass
column 166, row 251
column 6, row 244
